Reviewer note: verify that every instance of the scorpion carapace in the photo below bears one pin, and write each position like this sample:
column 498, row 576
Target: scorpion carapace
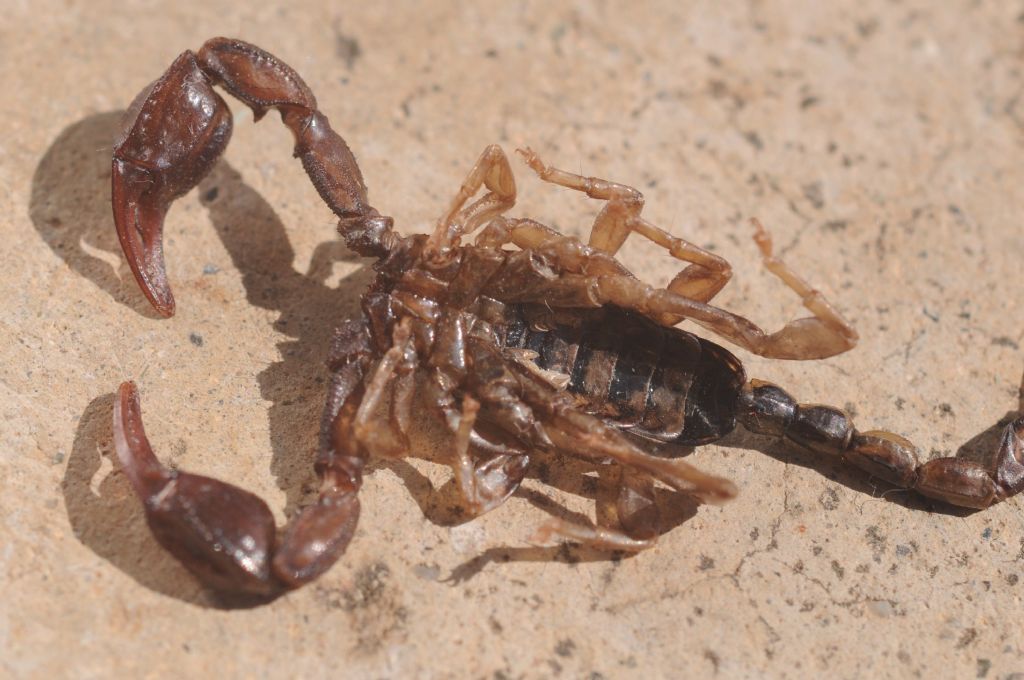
column 524, row 340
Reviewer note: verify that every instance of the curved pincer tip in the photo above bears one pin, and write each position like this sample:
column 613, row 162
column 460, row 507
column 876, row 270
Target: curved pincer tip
column 171, row 136
column 144, row 471
column 140, row 222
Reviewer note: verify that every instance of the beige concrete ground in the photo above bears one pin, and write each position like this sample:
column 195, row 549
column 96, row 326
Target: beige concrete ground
column 882, row 142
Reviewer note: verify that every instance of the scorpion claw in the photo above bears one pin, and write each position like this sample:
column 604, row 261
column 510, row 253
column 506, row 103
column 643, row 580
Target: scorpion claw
column 171, row 136
column 317, row 538
column 221, row 533
column 140, row 229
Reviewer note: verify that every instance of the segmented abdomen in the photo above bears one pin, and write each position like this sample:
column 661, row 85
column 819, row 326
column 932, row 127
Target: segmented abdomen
column 662, row 383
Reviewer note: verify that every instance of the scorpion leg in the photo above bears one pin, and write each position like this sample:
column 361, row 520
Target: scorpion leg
column 485, row 484
column 593, row 536
column 528, row 408
column 594, row 279
column 767, row 409
column 487, row 473
column 635, row 508
column 827, row 321
column 636, row 512
column 176, row 129
column 701, row 280
column 491, row 170
column 387, row 442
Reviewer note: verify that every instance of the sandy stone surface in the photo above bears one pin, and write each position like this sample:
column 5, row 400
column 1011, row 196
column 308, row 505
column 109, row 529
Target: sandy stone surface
column 881, row 142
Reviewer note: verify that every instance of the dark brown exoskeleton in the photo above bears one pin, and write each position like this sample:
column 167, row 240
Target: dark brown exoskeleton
column 525, row 340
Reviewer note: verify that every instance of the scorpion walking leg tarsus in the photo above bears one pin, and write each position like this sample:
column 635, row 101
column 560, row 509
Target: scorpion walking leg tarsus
column 178, row 127
column 701, row 280
column 768, row 409
column 827, row 323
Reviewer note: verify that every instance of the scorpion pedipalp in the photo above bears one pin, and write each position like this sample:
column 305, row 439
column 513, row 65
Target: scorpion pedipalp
column 171, row 136
column 177, row 128
column 227, row 535
column 222, row 533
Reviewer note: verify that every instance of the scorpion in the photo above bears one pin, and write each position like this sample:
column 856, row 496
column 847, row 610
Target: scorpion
column 524, row 340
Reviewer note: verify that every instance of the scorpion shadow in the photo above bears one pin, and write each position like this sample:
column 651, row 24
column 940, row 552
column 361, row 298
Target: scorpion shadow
column 70, row 208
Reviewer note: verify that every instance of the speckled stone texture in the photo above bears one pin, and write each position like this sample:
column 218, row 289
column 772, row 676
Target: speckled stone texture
column 882, row 142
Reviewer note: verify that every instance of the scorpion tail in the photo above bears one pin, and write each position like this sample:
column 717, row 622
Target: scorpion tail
column 765, row 408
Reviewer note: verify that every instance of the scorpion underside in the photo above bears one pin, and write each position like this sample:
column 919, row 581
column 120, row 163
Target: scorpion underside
column 523, row 340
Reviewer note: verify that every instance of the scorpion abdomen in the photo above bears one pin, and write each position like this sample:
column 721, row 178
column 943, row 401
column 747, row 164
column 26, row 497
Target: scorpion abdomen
column 660, row 383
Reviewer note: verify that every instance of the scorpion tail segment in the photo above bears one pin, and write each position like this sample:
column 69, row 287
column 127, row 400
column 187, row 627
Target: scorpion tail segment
column 262, row 82
column 171, row 136
column 222, row 534
column 768, row 409
column 978, row 484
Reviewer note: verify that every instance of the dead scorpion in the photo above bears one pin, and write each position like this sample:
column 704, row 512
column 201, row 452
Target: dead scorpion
column 526, row 340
